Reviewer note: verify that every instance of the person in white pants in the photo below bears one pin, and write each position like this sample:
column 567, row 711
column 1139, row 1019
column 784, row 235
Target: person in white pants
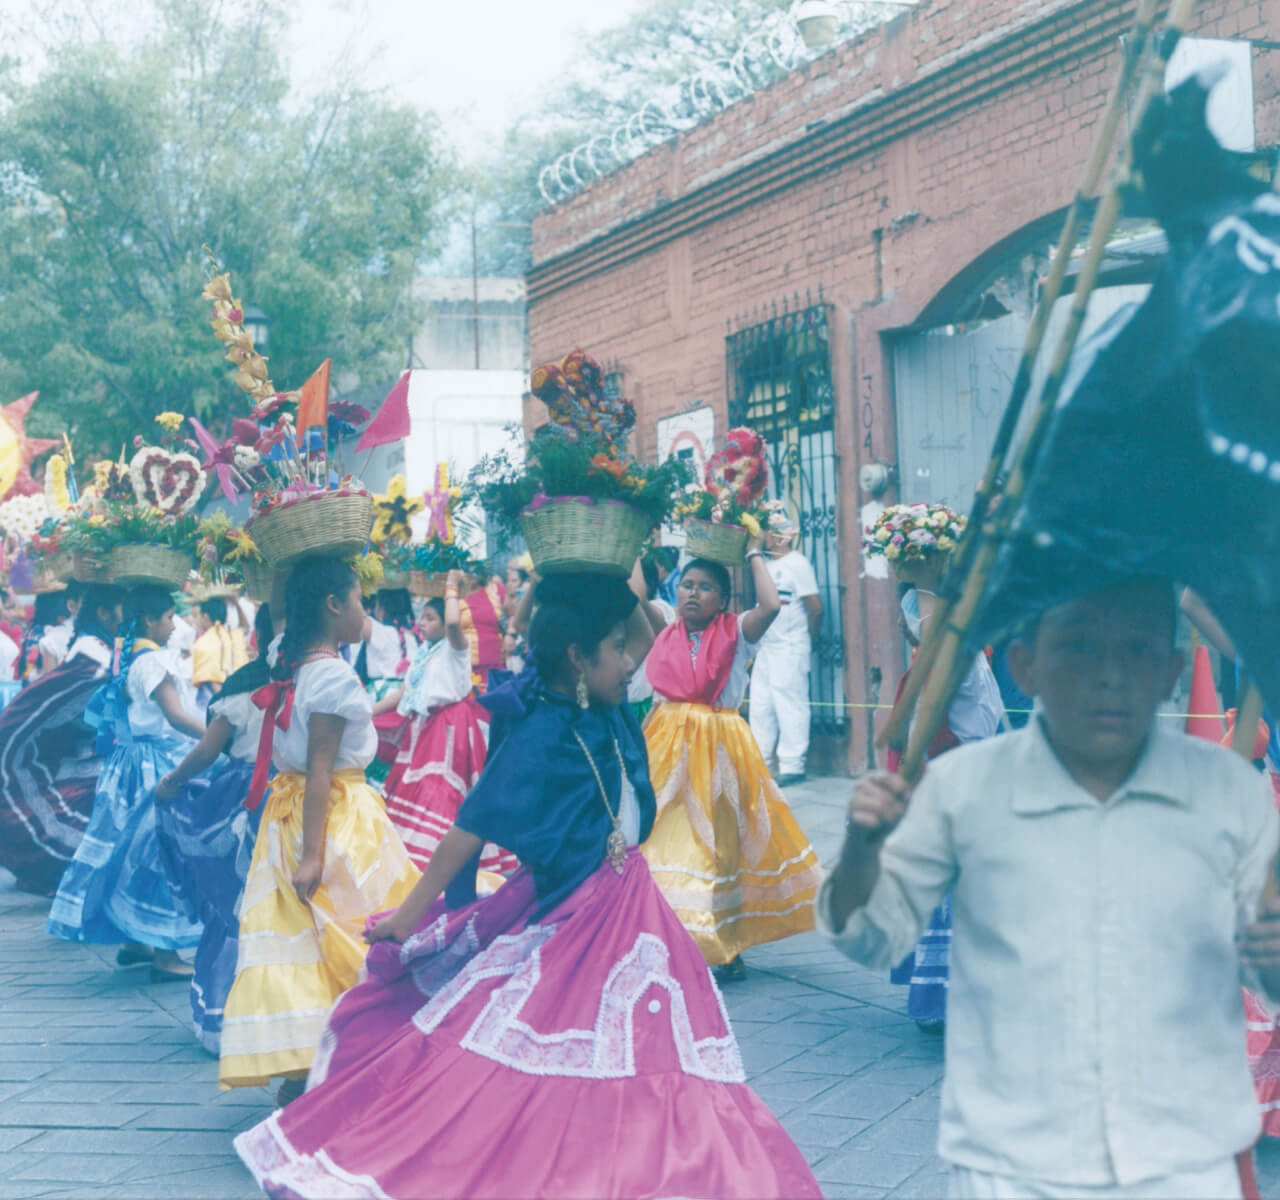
column 780, row 677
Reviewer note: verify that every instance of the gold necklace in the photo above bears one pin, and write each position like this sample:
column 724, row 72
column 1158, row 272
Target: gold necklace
column 615, row 846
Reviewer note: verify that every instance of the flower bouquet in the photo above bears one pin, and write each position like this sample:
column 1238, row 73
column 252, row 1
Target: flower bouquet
column 299, row 508
column 228, row 557
column 729, row 509
column 915, row 539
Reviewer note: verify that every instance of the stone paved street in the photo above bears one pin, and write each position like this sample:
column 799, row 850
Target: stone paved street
column 104, row 1092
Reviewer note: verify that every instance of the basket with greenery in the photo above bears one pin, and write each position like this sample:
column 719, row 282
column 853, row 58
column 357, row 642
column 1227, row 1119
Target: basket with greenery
column 729, row 508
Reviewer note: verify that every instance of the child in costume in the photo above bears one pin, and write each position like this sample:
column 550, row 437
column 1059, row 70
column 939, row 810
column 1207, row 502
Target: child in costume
column 326, row 855
column 443, row 750
column 383, row 662
column 725, row 849
column 115, row 889
column 561, row 1037
column 1108, row 881
column 218, row 651
column 482, row 610
column 207, row 833
column 48, row 765
column 47, row 639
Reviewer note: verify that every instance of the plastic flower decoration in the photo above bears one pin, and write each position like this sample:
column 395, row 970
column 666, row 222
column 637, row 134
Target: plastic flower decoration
column 252, row 376
column 170, row 422
column 57, row 493
column 391, row 513
column 577, row 402
column 913, row 533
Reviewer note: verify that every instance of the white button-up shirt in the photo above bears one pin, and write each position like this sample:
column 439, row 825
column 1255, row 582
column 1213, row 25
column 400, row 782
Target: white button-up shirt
column 1095, row 1031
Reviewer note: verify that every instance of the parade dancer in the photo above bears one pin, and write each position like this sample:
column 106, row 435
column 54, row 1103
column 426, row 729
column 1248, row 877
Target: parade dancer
column 326, row 855
column 207, row 833
column 218, row 651
column 47, row 640
column 562, row 1037
column 48, row 765
column 725, row 849
column 115, row 889
column 390, row 642
column 443, row 749
column 1107, row 879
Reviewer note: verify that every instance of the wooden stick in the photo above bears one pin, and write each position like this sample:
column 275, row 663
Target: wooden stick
column 1144, row 22
column 946, row 664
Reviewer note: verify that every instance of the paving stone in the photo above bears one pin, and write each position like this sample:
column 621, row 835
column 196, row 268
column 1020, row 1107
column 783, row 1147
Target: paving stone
column 198, row 1116
column 73, row 1168
column 11, row 1139
column 871, row 1168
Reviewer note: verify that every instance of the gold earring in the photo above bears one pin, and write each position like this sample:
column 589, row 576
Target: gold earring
column 584, row 697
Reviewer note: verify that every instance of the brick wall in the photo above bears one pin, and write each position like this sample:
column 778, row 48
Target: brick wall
column 879, row 172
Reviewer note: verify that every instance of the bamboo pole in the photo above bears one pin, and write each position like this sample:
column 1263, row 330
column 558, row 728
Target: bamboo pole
column 946, row 665
column 1099, row 156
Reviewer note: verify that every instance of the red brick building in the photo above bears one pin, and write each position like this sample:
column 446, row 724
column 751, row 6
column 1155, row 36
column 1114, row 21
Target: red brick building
column 846, row 261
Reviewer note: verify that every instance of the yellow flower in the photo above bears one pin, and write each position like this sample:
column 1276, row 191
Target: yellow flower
column 243, row 546
column 368, row 569
column 218, row 288
column 97, row 520
column 170, row 422
column 392, row 512
column 892, row 552
column 751, row 525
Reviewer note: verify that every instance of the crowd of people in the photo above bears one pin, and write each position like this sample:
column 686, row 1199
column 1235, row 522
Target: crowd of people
column 449, row 873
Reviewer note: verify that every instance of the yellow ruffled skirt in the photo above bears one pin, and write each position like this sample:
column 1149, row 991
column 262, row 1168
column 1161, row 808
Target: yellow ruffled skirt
column 725, row 849
column 296, row 959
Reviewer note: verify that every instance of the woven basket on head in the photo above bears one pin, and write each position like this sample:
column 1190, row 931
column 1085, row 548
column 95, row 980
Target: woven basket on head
column 59, row 566
column 257, row 578
column 392, row 578
column 141, row 562
column 571, row 534
column 720, row 543
column 214, row 591
column 336, row 524
column 88, row 568
column 429, row 586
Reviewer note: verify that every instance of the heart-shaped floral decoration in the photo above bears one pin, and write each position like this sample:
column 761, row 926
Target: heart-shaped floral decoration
column 165, row 480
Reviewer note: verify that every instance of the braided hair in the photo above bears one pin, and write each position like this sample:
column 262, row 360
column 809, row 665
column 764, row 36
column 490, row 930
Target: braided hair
column 310, row 584
column 98, row 597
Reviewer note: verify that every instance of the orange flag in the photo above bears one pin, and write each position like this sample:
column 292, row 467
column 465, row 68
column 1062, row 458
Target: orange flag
column 313, row 402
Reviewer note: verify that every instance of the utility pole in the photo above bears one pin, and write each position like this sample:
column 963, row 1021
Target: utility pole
column 475, row 284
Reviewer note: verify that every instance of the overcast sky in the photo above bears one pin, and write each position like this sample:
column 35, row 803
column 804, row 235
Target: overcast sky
column 473, row 61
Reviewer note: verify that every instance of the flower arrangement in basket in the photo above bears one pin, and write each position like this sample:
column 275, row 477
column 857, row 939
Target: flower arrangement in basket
column 300, row 505
column 915, row 539
column 729, row 509
column 227, row 556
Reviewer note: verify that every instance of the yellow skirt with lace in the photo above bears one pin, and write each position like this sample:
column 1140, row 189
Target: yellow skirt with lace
column 725, row 849
column 295, row 959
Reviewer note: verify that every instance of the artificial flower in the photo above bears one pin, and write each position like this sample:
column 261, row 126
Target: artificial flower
column 170, row 422
column 392, row 512
column 218, row 288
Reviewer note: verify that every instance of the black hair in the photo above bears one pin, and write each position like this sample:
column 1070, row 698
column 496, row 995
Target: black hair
column 397, row 607
column 146, row 602
column 649, row 569
column 96, row 597
column 718, row 571
column 310, row 584
column 436, row 605
column 667, row 557
column 257, row 673
column 215, row 608
column 50, row 607
column 579, row 609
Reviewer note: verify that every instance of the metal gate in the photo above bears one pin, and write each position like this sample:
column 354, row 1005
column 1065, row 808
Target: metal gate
column 950, row 389
column 779, row 382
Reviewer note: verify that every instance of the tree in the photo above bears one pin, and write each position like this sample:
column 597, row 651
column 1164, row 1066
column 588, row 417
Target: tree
column 120, row 162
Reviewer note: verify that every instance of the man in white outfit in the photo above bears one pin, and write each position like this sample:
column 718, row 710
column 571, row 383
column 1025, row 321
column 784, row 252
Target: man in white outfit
column 780, row 677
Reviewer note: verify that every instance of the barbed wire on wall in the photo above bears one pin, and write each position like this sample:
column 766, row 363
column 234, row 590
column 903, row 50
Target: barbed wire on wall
column 764, row 56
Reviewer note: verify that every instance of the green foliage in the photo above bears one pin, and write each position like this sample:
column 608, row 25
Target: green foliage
column 559, row 465
column 119, row 163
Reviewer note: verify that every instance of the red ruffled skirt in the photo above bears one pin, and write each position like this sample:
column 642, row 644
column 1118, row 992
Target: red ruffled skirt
column 440, row 759
column 586, row 1054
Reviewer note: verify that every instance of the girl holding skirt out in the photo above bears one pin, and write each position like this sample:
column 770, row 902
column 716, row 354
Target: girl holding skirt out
column 115, row 888
column 561, row 1037
column 725, row 849
column 326, row 855
column 48, row 764
column 207, row 833
column 443, row 750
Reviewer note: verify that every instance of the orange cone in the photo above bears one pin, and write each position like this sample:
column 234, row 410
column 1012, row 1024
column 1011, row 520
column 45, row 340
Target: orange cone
column 1204, row 718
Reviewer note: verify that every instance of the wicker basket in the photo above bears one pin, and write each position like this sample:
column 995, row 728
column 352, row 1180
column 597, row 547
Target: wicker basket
column 926, row 573
column 257, row 578
column 87, row 568
column 571, row 534
column 203, row 590
column 392, row 577
column 429, row 586
column 719, row 542
column 59, row 566
column 142, row 562
column 336, row 524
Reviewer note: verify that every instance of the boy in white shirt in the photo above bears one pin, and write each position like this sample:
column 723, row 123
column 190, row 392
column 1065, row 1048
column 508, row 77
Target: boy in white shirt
column 1107, row 874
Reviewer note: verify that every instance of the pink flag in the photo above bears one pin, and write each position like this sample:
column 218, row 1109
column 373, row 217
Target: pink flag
column 391, row 422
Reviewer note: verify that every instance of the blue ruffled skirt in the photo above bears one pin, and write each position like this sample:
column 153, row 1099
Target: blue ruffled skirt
column 116, row 888
column 206, row 843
